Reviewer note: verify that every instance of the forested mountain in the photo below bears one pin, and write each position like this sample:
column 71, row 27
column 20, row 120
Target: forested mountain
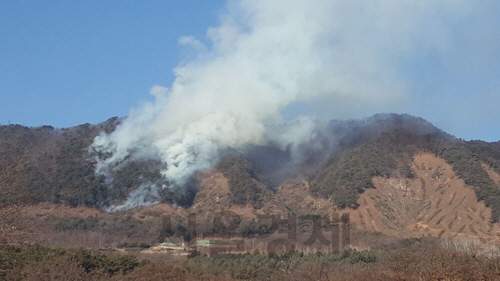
column 45, row 164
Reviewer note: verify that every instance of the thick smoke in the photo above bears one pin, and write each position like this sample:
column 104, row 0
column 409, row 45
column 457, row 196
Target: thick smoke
column 270, row 57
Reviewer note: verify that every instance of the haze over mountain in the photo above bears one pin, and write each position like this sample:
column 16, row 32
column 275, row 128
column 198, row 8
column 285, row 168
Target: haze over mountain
column 254, row 68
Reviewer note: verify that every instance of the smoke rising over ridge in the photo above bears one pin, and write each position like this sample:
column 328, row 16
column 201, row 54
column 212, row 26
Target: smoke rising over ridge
column 266, row 57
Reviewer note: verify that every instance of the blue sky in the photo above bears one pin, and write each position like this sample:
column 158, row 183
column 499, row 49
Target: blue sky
column 65, row 63
column 70, row 62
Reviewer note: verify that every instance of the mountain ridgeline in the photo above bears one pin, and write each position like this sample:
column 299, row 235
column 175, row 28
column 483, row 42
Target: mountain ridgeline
column 45, row 164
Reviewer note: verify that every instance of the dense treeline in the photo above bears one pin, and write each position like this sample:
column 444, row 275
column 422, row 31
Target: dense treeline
column 260, row 267
column 243, row 180
column 489, row 153
column 350, row 174
column 39, row 263
column 51, row 165
column 468, row 167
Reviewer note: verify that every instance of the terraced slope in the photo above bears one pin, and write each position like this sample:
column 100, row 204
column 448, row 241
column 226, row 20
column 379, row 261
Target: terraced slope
column 435, row 203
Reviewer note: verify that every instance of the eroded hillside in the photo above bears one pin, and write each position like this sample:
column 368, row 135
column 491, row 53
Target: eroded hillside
column 435, row 202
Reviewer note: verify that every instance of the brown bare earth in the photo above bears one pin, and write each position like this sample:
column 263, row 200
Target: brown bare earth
column 214, row 196
column 295, row 195
column 435, row 203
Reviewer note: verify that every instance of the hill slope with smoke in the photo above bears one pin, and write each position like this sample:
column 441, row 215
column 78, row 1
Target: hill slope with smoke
column 338, row 164
column 266, row 64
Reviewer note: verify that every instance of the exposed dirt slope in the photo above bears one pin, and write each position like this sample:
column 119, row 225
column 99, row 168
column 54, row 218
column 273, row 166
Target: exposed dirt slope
column 436, row 203
column 296, row 196
column 214, row 195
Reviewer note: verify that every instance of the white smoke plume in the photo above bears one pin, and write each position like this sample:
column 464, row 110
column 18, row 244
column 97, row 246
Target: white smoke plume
column 267, row 57
column 145, row 195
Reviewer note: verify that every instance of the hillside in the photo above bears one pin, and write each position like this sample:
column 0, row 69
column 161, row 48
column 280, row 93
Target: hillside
column 435, row 202
column 45, row 164
column 398, row 174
